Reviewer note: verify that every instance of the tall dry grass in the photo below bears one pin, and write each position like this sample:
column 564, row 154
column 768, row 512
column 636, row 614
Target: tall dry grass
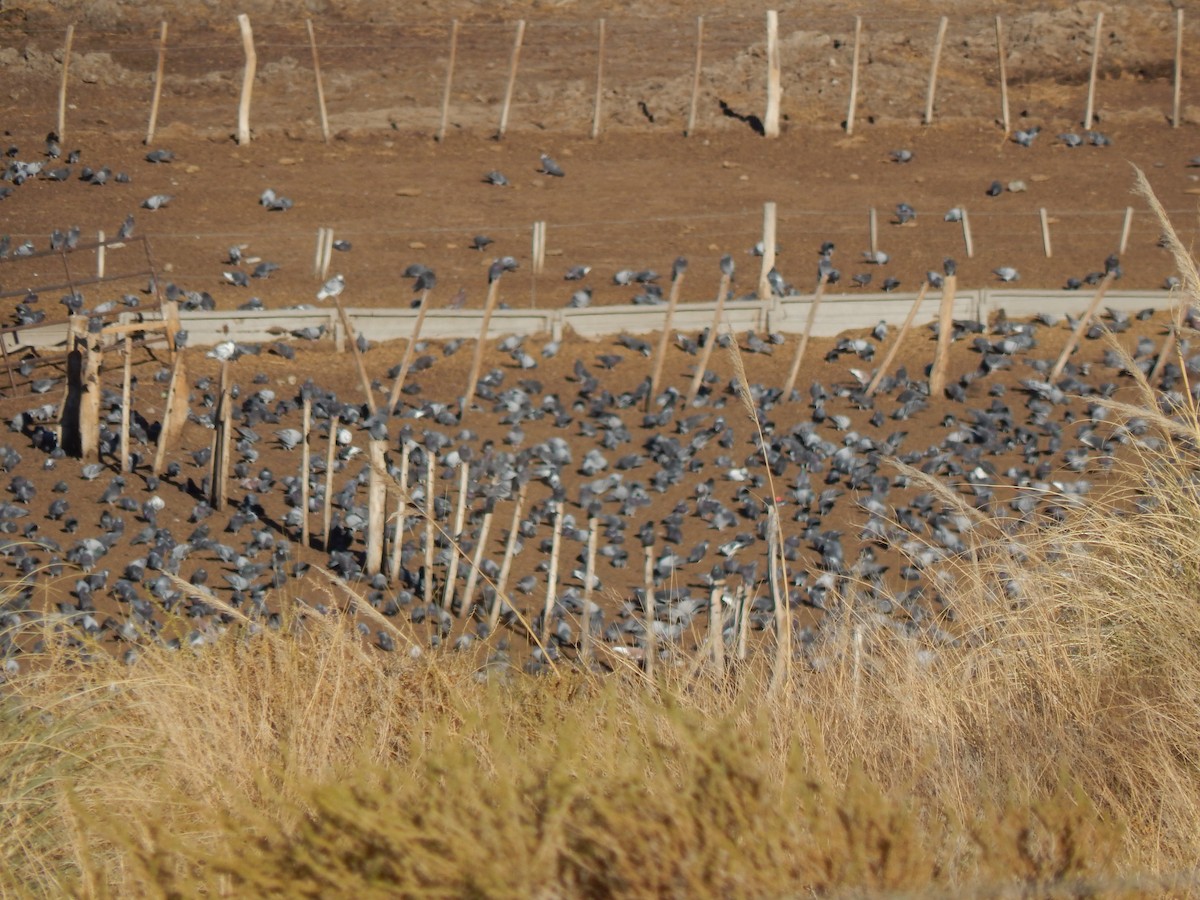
column 1042, row 741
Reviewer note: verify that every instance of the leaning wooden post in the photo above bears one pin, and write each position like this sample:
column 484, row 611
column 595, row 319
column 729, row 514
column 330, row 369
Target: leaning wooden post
column 158, row 83
column 854, row 75
column 968, row 242
column 599, row 83
column 464, row 608
column 243, row 132
column 62, row 86
column 771, row 119
column 376, row 505
column 552, row 575
column 441, row 132
column 897, row 341
column 330, row 452
column 1001, row 55
column 512, row 78
column 364, row 378
column 175, row 413
column 460, row 513
column 305, row 467
column 430, row 525
column 1081, row 326
column 677, row 271
column 1125, row 228
column 873, row 232
column 406, row 360
column 127, row 353
column 933, row 69
column 768, row 251
column 1045, row 231
column 794, row 372
column 312, row 42
column 589, row 576
column 941, row 355
column 401, row 512
column 488, row 307
column 692, row 106
column 510, row 548
column 1177, row 90
column 714, row 329
column 1089, row 114
column 100, row 254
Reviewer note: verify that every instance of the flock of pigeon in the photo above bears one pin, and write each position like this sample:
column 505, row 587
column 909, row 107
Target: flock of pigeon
column 683, row 492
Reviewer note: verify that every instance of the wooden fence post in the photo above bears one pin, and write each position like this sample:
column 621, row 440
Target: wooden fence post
column 376, row 505
column 768, row 250
column 854, row 75
column 158, row 83
column 771, row 119
column 1001, row 55
column 243, row 132
column 941, row 355
column 933, row 69
column 1089, row 114
column 1080, row 327
column 441, row 132
column 512, row 78
column 692, row 106
column 881, row 372
column 1177, row 88
column 312, row 40
column 62, row 86
column 599, row 83
column 665, row 337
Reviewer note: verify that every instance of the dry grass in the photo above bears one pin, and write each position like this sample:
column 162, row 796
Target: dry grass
column 1045, row 742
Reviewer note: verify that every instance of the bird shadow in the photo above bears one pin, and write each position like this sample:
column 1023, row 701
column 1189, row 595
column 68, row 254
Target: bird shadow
column 752, row 120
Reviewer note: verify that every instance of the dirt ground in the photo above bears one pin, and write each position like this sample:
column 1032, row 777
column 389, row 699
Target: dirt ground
column 637, row 197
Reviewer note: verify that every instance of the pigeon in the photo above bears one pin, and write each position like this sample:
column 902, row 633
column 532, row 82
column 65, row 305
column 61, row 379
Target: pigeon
column 1026, row 137
column 157, row 201
column 496, row 178
column 1006, row 273
column 905, row 214
column 550, row 167
column 126, row 230
column 1071, row 139
column 877, row 257
column 480, row 241
column 577, row 273
column 332, row 288
column 954, row 215
column 995, row 189
column 159, row 156
column 901, row 156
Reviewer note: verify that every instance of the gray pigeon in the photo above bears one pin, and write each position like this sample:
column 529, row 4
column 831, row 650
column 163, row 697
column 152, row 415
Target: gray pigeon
column 550, row 167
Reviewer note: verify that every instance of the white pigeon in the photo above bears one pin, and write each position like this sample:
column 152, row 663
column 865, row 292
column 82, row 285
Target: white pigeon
column 224, row 351
column 332, row 287
column 1006, row 273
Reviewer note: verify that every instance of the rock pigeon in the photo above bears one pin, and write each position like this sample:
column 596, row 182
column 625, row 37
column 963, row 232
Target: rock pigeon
column 332, row 288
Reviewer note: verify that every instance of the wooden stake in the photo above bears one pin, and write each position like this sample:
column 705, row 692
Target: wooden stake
column 62, row 86
column 743, row 619
column 320, row 251
column 510, row 547
column 1177, row 92
column 897, row 341
column 326, row 253
column 777, row 581
column 476, row 561
column 126, row 378
column 1001, row 56
column 460, row 512
column 589, row 576
column 305, row 468
column 376, row 505
column 771, row 119
column 401, row 513
column 330, row 452
column 706, row 350
column 1125, row 227
column 552, row 575
column 243, row 132
column 312, row 42
column 100, row 248
column 941, row 355
column 488, row 307
column 512, row 78
column 663, row 340
column 966, row 231
column 441, row 132
column 1169, row 345
column 406, row 360
column 1045, row 231
column 768, row 254
column 158, row 82
column 1080, row 327
column 794, row 372
column 716, row 627
column 694, row 103
column 599, row 83
column 222, row 438
column 649, row 610
column 933, row 69
column 358, row 360
column 430, row 520
column 854, row 75
column 539, row 247
column 175, row 413
column 1089, row 114
column 873, row 223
